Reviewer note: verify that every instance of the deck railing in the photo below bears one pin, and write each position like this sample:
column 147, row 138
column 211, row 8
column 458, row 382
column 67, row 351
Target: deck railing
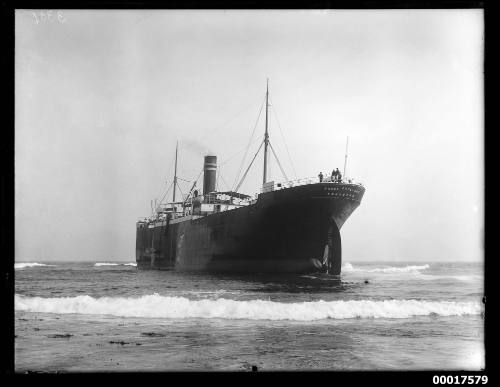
column 310, row 180
column 211, row 198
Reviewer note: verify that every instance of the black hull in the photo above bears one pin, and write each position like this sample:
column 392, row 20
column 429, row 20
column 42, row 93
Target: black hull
column 285, row 231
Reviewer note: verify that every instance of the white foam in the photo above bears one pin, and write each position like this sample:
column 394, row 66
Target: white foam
column 115, row 264
column 28, row 264
column 409, row 272
column 157, row 306
column 347, row 267
column 391, row 269
column 453, row 277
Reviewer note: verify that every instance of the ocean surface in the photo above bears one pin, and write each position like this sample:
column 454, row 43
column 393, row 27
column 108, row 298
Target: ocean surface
column 88, row 316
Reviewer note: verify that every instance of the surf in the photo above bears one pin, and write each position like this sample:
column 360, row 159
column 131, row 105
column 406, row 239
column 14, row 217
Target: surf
column 158, row 306
column 29, row 264
column 412, row 272
column 391, row 269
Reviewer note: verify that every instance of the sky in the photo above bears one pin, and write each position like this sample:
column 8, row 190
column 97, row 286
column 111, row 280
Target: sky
column 102, row 97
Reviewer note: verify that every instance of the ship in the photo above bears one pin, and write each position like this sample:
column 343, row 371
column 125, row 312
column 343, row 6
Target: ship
column 288, row 227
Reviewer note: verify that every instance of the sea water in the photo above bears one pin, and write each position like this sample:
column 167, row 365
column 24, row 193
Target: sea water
column 110, row 316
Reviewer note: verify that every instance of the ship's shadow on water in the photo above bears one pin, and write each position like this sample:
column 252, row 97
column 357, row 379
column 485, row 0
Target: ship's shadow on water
column 286, row 283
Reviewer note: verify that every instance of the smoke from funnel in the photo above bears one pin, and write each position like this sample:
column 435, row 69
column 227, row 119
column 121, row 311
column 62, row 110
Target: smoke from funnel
column 195, row 147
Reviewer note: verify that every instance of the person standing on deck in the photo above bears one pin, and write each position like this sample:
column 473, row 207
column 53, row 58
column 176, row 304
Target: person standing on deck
column 320, row 177
column 339, row 175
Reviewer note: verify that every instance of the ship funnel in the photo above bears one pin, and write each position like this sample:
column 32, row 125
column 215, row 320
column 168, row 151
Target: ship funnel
column 209, row 174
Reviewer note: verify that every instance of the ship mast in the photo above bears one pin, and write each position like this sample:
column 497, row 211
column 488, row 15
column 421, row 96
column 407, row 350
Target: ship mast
column 266, row 136
column 175, row 173
column 345, row 160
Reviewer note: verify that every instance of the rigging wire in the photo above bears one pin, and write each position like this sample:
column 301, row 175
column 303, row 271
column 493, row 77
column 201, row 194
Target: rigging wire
column 245, row 174
column 192, row 187
column 196, row 181
column 166, row 193
column 237, row 153
column 249, row 143
column 161, row 189
column 178, row 186
column 217, row 173
column 218, row 127
column 224, row 181
column 199, row 174
column 279, row 164
column 286, row 146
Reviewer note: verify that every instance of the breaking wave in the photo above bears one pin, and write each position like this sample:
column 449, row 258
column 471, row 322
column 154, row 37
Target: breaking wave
column 410, row 272
column 350, row 268
column 157, row 306
column 28, row 264
column 471, row 277
column 115, row 264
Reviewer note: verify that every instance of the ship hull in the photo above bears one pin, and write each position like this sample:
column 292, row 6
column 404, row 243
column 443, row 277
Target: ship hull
column 293, row 230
